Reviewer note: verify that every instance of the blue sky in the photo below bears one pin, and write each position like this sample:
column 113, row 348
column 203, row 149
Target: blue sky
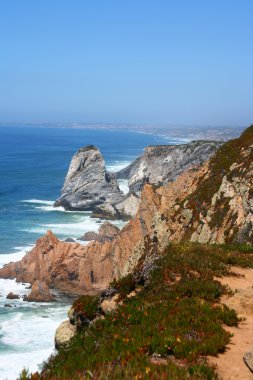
column 184, row 62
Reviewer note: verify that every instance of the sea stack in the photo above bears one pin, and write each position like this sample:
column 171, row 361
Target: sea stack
column 88, row 184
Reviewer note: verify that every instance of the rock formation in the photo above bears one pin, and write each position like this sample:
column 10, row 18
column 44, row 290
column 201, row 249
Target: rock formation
column 88, row 184
column 12, row 296
column 163, row 163
column 39, row 293
column 211, row 204
column 64, row 333
column 107, row 231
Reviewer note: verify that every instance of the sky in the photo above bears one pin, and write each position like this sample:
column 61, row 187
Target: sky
column 180, row 62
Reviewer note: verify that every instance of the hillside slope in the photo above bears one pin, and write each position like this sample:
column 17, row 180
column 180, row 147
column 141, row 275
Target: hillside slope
column 166, row 320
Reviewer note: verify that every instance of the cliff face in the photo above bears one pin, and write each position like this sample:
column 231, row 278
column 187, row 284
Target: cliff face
column 87, row 183
column 88, row 186
column 81, row 269
column 162, row 164
column 212, row 204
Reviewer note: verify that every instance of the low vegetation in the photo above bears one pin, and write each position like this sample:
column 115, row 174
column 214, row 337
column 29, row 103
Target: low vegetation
column 166, row 330
column 87, row 307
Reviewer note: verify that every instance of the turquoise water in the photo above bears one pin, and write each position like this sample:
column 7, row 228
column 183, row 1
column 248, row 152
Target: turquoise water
column 33, row 164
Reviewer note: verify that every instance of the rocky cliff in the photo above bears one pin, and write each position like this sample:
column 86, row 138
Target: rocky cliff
column 89, row 186
column 163, row 163
column 211, row 204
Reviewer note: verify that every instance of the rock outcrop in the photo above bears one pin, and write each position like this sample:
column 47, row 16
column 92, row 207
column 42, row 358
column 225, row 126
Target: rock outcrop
column 88, row 184
column 161, row 164
column 88, row 236
column 12, row 296
column 211, row 204
column 107, row 231
column 64, row 333
column 39, row 293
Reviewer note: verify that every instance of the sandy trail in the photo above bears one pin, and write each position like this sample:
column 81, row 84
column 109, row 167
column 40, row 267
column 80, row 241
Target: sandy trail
column 230, row 365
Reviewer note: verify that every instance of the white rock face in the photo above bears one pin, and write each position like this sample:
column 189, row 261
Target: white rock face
column 87, row 183
column 129, row 206
column 64, row 333
column 163, row 163
column 88, row 186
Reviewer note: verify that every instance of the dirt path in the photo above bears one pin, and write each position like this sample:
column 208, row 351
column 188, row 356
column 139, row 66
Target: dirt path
column 230, row 365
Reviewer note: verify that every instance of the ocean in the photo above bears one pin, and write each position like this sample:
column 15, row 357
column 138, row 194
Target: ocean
column 33, row 165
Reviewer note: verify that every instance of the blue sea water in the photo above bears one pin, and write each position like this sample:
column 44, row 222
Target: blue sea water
column 33, row 164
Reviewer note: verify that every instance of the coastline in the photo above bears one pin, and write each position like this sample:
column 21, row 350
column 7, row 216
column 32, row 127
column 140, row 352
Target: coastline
column 39, row 343
column 181, row 134
column 60, row 226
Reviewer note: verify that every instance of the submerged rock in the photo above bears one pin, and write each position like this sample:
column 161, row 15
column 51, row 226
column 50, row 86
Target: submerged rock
column 40, row 293
column 70, row 240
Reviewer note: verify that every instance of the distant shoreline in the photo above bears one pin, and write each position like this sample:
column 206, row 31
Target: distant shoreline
column 183, row 133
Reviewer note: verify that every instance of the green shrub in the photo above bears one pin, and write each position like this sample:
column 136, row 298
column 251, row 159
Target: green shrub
column 86, row 306
column 124, row 285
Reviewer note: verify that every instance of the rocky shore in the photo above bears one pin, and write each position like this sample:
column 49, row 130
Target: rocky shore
column 208, row 204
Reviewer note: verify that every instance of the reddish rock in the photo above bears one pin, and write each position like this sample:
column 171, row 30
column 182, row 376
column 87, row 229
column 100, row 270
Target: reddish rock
column 39, row 293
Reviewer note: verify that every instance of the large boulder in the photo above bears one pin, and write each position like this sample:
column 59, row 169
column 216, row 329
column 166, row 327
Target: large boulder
column 88, row 236
column 39, row 293
column 64, row 333
column 107, row 231
column 12, row 296
column 88, row 184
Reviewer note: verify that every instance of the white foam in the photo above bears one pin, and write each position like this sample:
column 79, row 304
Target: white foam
column 38, row 201
column 117, row 166
column 84, row 224
column 26, row 329
column 16, row 256
column 51, row 208
column 28, row 338
column 123, row 185
column 11, row 364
